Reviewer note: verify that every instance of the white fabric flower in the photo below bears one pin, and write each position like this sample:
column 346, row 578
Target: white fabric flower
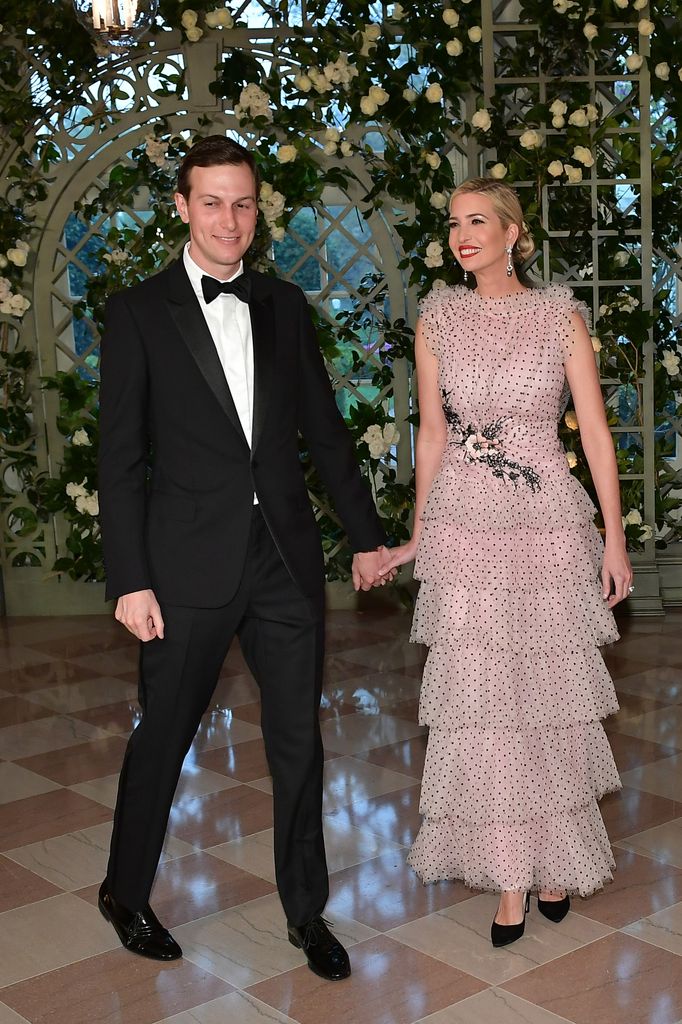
column 189, row 18
column 634, row 517
column 579, row 118
column 571, row 459
column 391, row 434
column 561, row 6
column 329, row 149
column 475, row 33
column 596, row 343
column 621, row 3
column 379, row 95
column 583, row 155
column 454, row 47
column 219, row 18
column 409, row 95
column 498, row 171
column 341, row 71
column 556, row 168
column 16, row 305
column 481, row 120
column 346, row 148
column 434, row 93
column 81, row 439
column 634, row 61
column 621, row 258
column 194, row 33
column 571, row 420
column 662, row 71
column 116, row 256
column 451, row 17
column 255, row 102
column 303, row 83
column 17, row 256
column 332, row 134
column 639, row 5
column 321, row 83
column 531, row 139
column 368, row 106
column 433, row 160
column 558, row 107
column 590, row 30
column 287, row 154
column 558, row 121
column 434, row 255
column 88, row 503
column 646, row 533
column 646, row 27
column 671, row 362
column 591, row 112
column 438, row 200
column 574, row 174
column 398, row 12
column 5, row 289
column 277, row 233
column 76, row 490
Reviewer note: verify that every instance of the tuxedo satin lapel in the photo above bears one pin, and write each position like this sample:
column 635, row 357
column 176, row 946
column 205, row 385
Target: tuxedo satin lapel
column 185, row 310
column 263, row 331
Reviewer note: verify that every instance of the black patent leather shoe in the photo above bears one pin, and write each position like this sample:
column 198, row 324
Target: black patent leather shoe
column 140, row 931
column 554, row 910
column 504, row 934
column 326, row 956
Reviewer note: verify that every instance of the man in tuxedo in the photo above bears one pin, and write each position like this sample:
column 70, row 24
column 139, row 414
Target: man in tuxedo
column 209, row 370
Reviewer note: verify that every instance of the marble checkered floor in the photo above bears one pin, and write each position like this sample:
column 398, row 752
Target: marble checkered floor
column 67, row 702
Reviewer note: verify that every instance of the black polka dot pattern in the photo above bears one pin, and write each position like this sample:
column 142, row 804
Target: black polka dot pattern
column 510, row 606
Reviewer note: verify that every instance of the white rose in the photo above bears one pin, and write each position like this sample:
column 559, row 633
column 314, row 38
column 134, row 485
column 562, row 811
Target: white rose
column 639, row 5
column 17, row 257
column 277, row 233
column 434, row 93
column 621, row 258
column 454, row 47
column 5, row 289
column 76, row 490
column 558, row 107
column 560, row 6
column 287, row 154
column 88, row 503
column 451, row 17
column 571, row 459
column 346, row 148
column 3, row 259
column 596, row 343
column 646, row 533
column 583, row 155
column 409, row 95
column 590, row 31
column 571, row 420
column 329, row 149
column 303, row 83
column 558, row 121
column 212, row 19
column 556, row 168
column 646, row 27
column 391, row 434
column 438, row 200
column 579, row 118
column 266, row 190
column 671, row 362
column 621, row 3
column 379, row 95
column 434, row 255
column 574, row 174
column 634, row 62
column 24, row 246
column 194, row 34
column 498, row 171
column 662, row 71
column 81, row 438
column 332, row 134
column 433, row 160
column 591, row 112
column 531, row 139
column 368, row 106
column 18, row 304
column 481, row 120
column 372, row 32
column 634, row 517
column 398, row 12
column 189, row 18
column 438, row 284
column 475, row 33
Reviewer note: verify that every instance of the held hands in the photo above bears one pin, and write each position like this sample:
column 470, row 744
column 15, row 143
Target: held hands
column 616, row 575
column 369, row 569
column 399, row 556
column 140, row 614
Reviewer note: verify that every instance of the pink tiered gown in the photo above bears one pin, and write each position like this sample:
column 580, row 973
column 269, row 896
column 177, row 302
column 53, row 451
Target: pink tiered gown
column 510, row 606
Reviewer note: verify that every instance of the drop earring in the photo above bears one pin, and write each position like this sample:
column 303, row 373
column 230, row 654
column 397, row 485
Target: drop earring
column 510, row 265
column 466, row 276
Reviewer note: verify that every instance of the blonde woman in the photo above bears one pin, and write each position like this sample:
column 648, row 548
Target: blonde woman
column 516, row 586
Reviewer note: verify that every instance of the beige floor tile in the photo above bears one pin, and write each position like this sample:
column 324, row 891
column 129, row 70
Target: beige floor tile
column 237, row 1008
column 252, row 853
column 222, row 730
column 393, row 654
column 346, row 846
column 194, row 782
column 661, row 777
column 45, row 734
column 8, row 1016
column 249, row 944
column 664, row 842
column 16, row 656
column 347, row 780
column 102, row 790
column 353, row 733
column 77, row 859
column 494, row 1006
column 663, row 929
column 460, row 936
column 660, row 683
column 50, row 934
column 89, row 693
column 663, row 726
column 233, row 691
column 17, row 782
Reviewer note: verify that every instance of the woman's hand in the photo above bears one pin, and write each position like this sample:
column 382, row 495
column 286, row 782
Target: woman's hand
column 616, row 574
column 399, row 556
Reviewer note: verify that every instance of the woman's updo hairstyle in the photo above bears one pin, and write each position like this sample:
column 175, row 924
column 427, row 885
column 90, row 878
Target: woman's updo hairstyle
column 506, row 205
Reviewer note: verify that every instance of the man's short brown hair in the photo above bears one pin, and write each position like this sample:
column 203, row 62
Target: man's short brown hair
column 214, row 151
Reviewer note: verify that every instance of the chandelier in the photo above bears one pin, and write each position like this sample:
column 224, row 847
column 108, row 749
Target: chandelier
column 116, row 24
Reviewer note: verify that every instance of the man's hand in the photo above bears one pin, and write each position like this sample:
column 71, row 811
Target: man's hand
column 366, row 569
column 140, row 614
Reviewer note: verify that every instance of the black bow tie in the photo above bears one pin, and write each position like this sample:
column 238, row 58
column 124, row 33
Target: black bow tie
column 239, row 286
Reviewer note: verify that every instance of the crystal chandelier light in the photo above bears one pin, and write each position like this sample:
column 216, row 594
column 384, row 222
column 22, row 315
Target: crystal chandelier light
column 116, row 24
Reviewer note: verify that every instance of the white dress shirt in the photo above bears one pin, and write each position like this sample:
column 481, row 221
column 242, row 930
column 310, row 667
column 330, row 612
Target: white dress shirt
column 229, row 323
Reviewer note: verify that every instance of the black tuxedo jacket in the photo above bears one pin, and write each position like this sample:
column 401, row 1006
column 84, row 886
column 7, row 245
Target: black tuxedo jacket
column 176, row 474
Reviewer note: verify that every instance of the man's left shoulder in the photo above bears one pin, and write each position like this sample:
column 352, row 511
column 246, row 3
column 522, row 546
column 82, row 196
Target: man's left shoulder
column 276, row 287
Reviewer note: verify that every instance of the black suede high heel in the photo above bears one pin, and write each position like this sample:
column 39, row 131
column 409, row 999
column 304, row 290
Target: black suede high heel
column 503, row 934
column 554, row 910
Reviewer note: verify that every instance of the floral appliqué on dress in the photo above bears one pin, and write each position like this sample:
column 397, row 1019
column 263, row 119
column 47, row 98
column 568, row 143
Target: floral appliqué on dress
column 484, row 445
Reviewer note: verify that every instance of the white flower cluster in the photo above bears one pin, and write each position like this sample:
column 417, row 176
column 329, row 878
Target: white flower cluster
column 82, row 498
column 287, row 154
column 253, row 103
column 438, row 200
column 12, row 304
column 369, row 35
column 375, row 98
column 634, row 518
column 571, row 459
column 434, row 255
column 340, row 71
column 571, row 420
column 498, row 171
column 481, row 120
column 189, row 23
column 623, row 302
column 17, row 254
column 272, row 204
column 219, row 18
column 116, row 256
column 81, row 438
column 380, row 441
column 567, row 7
column 573, row 174
column 670, row 361
column 584, row 116
column 434, row 93
column 156, row 150
column 333, row 143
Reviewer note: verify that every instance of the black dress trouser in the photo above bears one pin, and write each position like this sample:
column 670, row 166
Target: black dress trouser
column 281, row 633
